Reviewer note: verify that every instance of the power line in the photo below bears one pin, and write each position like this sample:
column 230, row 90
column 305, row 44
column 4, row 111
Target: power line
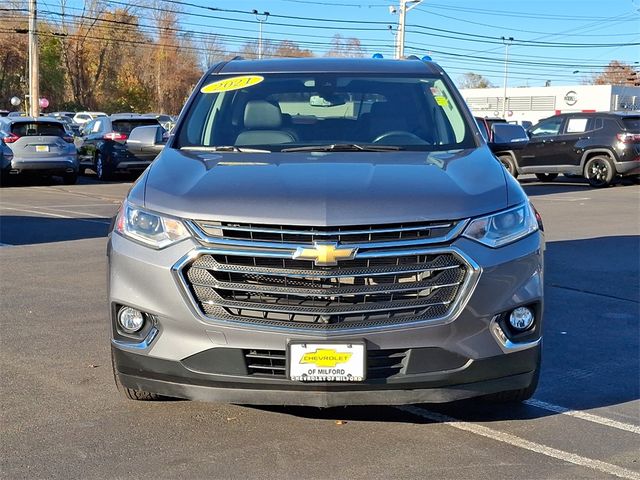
column 312, row 44
column 179, row 47
column 503, row 13
column 238, row 39
column 306, row 34
column 519, row 30
column 462, row 36
column 460, row 58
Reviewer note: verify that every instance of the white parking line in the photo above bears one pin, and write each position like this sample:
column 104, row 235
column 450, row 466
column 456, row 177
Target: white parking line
column 47, row 214
column 21, row 207
column 84, row 205
column 589, row 417
column 562, row 199
column 522, row 443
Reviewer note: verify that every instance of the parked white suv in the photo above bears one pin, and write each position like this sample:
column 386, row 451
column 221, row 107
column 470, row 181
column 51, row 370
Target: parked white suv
column 83, row 117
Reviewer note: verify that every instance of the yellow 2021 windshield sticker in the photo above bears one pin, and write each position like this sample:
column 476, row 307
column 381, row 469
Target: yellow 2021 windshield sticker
column 233, row 83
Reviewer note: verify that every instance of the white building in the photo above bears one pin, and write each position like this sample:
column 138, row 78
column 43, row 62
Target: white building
column 534, row 103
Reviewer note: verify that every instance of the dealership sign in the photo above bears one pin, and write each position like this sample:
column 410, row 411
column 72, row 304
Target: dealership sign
column 571, row 98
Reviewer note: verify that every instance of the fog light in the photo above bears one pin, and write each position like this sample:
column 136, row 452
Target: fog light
column 521, row 318
column 130, row 319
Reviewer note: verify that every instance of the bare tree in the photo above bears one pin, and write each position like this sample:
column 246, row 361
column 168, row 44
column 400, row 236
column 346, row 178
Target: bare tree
column 250, row 49
column 287, row 48
column 214, row 51
column 473, row 80
column 345, row 47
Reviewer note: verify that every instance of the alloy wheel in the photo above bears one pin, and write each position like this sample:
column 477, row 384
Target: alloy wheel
column 598, row 172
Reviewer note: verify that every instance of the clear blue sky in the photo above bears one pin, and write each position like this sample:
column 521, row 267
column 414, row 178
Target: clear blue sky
column 468, row 36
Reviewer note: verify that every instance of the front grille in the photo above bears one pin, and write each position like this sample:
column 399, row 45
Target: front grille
column 381, row 364
column 431, row 232
column 357, row 293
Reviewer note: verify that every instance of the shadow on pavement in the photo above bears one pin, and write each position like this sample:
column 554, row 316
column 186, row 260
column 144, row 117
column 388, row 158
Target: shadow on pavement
column 45, row 181
column 562, row 184
column 28, row 230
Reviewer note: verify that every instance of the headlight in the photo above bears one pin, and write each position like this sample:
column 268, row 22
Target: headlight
column 504, row 227
column 149, row 228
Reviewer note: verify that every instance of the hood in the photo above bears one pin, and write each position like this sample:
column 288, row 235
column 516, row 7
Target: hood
column 326, row 189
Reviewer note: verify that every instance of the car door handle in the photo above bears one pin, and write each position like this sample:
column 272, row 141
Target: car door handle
column 547, row 141
column 584, row 138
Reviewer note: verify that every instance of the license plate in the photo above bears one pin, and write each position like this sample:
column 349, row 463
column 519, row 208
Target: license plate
column 42, row 148
column 326, row 362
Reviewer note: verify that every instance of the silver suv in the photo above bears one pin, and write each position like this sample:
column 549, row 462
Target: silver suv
column 326, row 232
column 37, row 146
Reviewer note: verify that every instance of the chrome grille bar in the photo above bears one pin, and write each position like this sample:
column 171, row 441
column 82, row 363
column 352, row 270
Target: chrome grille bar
column 201, row 278
column 452, row 232
column 343, row 310
column 260, row 283
column 209, row 263
column 209, row 226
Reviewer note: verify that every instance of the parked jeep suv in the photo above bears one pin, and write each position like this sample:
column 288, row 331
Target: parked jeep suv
column 599, row 146
column 326, row 232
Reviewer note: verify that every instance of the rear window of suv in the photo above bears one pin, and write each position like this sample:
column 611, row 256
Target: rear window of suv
column 282, row 110
column 632, row 124
column 32, row 129
column 125, row 126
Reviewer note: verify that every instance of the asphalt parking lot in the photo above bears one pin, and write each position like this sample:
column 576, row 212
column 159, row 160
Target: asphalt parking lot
column 62, row 417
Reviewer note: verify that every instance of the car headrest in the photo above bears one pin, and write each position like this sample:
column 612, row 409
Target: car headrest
column 262, row 115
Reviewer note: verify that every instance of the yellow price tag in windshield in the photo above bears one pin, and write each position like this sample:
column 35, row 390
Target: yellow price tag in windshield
column 442, row 101
column 233, row 83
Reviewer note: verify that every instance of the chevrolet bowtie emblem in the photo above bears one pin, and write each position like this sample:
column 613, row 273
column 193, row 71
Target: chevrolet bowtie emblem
column 325, row 254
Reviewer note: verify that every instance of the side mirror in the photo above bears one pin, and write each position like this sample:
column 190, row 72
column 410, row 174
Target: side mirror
column 507, row 136
column 146, row 136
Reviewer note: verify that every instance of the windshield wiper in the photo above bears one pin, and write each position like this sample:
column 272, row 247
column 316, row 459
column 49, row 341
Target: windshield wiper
column 344, row 147
column 225, row 148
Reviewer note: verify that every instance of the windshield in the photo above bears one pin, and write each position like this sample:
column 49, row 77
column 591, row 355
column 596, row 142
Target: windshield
column 280, row 111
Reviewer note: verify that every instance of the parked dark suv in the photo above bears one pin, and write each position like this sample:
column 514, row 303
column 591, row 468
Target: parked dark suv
column 102, row 145
column 485, row 125
column 599, row 146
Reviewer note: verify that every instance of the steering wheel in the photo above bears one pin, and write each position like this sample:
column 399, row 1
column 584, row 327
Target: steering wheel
column 400, row 137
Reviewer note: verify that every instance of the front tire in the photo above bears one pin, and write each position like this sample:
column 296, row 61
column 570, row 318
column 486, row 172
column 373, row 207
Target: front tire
column 599, row 171
column 520, row 395
column 131, row 393
column 509, row 164
column 546, row 177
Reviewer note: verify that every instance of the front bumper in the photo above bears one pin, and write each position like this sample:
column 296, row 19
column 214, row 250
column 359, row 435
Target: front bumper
column 481, row 377
column 471, row 357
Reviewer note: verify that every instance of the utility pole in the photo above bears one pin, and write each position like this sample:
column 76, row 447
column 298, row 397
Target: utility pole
column 261, row 18
column 507, row 42
column 405, row 6
column 34, row 70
